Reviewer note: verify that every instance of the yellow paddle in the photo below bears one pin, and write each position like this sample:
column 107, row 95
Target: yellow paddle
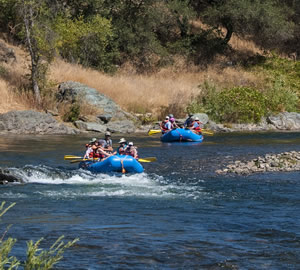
column 68, row 157
column 153, row 131
column 149, row 159
column 204, row 132
column 75, row 159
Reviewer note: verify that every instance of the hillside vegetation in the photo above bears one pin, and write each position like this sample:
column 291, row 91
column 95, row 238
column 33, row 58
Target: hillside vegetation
column 155, row 56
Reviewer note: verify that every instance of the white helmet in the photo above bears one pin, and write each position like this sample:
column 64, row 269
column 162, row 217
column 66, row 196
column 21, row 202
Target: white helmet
column 196, row 118
column 130, row 143
column 167, row 117
column 107, row 133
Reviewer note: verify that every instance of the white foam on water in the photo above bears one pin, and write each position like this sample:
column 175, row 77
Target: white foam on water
column 12, row 195
column 82, row 183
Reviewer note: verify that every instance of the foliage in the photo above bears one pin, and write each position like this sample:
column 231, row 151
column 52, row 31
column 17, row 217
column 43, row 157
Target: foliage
column 280, row 98
column 36, row 257
column 266, row 22
column 72, row 114
column 282, row 83
column 86, row 41
column 234, row 105
column 240, row 104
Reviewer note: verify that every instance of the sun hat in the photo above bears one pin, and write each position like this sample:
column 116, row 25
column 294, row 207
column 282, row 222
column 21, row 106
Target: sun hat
column 130, row 143
column 107, row 133
column 122, row 140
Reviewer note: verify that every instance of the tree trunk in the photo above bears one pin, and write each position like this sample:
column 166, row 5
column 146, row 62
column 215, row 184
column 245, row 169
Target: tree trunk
column 31, row 43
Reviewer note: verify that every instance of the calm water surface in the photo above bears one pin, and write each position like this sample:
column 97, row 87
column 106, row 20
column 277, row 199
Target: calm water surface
column 178, row 214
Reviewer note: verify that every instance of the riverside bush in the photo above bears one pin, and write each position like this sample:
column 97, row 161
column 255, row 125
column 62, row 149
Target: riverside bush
column 240, row 105
column 234, row 105
column 37, row 258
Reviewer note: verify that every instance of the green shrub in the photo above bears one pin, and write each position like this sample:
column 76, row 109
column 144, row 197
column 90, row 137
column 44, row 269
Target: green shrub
column 281, row 97
column 240, row 105
column 73, row 114
column 234, row 105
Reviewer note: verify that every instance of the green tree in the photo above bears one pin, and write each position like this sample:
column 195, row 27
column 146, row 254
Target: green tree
column 264, row 21
column 87, row 41
column 39, row 39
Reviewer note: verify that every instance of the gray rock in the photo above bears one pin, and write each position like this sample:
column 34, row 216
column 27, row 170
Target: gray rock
column 105, row 117
column 287, row 161
column 90, row 126
column 6, row 177
column 125, row 126
column 31, row 122
column 285, row 121
column 203, row 117
column 71, row 92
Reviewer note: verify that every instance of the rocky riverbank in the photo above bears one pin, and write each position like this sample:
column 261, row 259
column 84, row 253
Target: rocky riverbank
column 283, row 162
column 108, row 116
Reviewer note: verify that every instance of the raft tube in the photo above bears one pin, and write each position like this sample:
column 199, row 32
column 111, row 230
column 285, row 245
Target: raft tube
column 181, row 135
column 113, row 164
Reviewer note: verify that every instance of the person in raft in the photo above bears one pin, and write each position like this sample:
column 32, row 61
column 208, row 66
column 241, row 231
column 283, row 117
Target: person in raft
column 165, row 125
column 173, row 123
column 101, row 153
column 107, row 142
column 189, row 121
column 131, row 150
column 122, row 147
column 89, row 153
column 197, row 126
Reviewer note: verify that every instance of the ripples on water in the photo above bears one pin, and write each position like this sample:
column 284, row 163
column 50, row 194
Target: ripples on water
column 178, row 214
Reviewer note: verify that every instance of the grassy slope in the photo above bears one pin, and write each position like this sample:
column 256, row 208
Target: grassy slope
column 136, row 93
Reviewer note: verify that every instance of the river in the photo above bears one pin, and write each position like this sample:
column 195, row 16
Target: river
column 177, row 214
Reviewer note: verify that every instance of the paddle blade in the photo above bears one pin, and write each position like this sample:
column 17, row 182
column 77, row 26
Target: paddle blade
column 149, row 159
column 68, row 157
column 207, row 132
column 153, row 131
column 79, row 160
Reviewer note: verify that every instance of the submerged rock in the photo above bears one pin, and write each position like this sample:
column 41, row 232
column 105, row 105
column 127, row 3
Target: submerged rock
column 6, row 177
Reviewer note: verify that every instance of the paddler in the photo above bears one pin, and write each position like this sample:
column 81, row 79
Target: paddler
column 122, row 147
column 131, row 150
column 165, row 125
column 197, row 126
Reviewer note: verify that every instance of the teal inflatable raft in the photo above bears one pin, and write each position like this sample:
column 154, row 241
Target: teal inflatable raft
column 115, row 163
column 181, row 135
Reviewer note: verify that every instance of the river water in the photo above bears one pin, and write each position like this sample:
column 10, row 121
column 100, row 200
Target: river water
column 178, row 214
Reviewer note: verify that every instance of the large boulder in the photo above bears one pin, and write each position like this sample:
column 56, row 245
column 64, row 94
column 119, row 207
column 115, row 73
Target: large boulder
column 285, row 121
column 31, row 122
column 71, row 92
column 124, row 126
column 90, row 126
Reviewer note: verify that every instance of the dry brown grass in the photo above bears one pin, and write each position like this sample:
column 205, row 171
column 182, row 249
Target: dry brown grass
column 133, row 92
column 147, row 93
column 9, row 99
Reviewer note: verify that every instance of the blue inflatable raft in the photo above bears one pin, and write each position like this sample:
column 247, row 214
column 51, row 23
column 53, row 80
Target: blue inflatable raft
column 181, row 135
column 113, row 164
